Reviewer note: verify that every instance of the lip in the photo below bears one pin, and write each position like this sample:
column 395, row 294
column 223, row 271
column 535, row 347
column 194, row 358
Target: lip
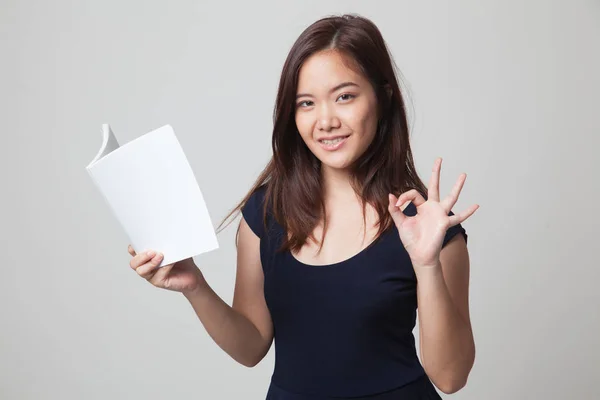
column 333, row 147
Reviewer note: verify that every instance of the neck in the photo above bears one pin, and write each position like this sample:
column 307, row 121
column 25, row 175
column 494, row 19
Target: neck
column 337, row 183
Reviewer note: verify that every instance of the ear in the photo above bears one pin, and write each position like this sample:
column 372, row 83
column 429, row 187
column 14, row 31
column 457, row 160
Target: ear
column 388, row 90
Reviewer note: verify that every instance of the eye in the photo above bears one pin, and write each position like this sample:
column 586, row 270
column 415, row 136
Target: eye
column 346, row 96
column 304, row 103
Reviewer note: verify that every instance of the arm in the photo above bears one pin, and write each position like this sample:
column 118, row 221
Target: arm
column 244, row 330
column 446, row 340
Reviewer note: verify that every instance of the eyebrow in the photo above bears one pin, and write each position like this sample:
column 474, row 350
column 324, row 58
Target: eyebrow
column 338, row 87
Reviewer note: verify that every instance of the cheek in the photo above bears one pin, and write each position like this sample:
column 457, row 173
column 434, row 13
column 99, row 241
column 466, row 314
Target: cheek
column 371, row 124
column 304, row 126
column 362, row 120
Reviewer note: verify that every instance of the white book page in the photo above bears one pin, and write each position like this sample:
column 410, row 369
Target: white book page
column 152, row 191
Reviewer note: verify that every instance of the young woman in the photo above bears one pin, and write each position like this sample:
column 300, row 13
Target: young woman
column 331, row 264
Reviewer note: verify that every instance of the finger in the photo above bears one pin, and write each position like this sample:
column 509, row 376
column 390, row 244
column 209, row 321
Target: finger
column 460, row 218
column 399, row 204
column 395, row 210
column 141, row 258
column 161, row 275
column 452, row 198
column 131, row 251
column 148, row 269
column 412, row 195
column 434, row 182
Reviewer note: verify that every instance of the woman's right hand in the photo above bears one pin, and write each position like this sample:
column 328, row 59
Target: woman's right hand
column 182, row 276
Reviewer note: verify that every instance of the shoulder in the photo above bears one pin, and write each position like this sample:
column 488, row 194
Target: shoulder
column 410, row 210
column 257, row 197
column 253, row 210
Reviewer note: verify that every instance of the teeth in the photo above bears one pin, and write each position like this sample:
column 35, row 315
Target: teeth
column 329, row 142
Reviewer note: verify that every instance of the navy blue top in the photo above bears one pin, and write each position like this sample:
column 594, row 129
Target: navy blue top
column 343, row 329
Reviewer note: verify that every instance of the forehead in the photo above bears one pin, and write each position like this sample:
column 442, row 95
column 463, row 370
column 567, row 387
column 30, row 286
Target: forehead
column 326, row 69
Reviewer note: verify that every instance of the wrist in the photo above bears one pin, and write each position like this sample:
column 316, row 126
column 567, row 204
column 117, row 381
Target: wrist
column 428, row 269
column 430, row 264
column 199, row 288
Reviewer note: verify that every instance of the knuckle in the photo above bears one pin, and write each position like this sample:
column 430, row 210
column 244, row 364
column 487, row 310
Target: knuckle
column 143, row 271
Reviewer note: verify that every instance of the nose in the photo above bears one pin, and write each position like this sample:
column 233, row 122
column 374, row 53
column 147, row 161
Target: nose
column 327, row 120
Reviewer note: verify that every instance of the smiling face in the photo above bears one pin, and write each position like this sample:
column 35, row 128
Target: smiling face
column 336, row 109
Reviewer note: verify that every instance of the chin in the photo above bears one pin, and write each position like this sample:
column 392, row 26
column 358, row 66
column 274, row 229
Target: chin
column 336, row 161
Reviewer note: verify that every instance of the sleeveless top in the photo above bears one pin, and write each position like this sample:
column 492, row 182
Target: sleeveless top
column 344, row 329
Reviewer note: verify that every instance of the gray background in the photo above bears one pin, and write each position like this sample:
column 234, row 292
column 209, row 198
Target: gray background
column 506, row 91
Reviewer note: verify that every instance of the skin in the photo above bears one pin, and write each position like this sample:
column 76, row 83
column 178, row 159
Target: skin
column 324, row 109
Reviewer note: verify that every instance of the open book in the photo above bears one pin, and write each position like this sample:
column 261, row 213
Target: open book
column 153, row 193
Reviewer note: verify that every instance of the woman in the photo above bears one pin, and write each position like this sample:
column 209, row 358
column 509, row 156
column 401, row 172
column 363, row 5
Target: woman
column 331, row 264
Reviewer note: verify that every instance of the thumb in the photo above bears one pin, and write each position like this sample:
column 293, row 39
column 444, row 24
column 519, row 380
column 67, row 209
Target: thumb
column 395, row 211
column 161, row 275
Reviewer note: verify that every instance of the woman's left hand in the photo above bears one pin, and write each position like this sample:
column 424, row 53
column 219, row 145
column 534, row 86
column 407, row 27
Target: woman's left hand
column 423, row 234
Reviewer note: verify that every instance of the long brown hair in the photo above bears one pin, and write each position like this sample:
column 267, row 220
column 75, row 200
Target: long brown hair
column 292, row 178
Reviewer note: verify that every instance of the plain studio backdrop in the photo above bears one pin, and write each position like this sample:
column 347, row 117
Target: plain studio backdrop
column 506, row 91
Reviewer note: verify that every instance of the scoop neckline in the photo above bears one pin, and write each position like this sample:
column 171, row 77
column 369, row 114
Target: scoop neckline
column 345, row 261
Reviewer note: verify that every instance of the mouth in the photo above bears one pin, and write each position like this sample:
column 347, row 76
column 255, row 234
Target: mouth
column 333, row 143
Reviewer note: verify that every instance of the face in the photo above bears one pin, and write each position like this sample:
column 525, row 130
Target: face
column 336, row 110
